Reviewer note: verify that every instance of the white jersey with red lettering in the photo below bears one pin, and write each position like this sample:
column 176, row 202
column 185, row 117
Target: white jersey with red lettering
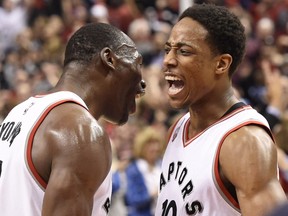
column 190, row 183
column 21, row 187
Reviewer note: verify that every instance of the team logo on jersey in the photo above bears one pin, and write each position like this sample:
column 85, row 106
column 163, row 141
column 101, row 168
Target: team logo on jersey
column 175, row 134
column 178, row 173
column 26, row 110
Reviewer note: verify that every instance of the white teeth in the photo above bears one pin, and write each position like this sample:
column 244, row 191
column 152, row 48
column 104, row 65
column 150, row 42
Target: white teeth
column 175, row 84
column 172, row 78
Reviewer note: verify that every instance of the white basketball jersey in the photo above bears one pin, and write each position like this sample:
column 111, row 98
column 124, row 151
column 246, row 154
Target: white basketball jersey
column 190, row 183
column 21, row 187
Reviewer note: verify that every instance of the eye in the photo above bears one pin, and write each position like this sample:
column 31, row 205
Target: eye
column 184, row 52
column 167, row 49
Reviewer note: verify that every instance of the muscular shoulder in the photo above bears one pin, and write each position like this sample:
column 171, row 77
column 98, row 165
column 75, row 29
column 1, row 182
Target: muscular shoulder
column 72, row 140
column 248, row 154
column 73, row 123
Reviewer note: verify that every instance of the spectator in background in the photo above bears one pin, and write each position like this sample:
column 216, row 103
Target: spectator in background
column 140, row 176
column 276, row 88
column 276, row 115
column 13, row 20
column 281, row 210
column 281, row 137
column 140, row 31
column 122, row 140
column 121, row 13
column 99, row 13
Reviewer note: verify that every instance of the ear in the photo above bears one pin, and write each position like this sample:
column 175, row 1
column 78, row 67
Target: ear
column 223, row 63
column 107, row 57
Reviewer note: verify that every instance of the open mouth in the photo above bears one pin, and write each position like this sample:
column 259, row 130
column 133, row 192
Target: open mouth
column 140, row 93
column 175, row 84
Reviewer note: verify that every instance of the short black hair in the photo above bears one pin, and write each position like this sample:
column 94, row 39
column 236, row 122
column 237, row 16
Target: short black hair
column 226, row 34
column 90, row 39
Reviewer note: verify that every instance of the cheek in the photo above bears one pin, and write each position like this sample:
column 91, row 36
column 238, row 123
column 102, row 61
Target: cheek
column 193, row 74
column 199, row 79
column 199, row 70
column 132, row 73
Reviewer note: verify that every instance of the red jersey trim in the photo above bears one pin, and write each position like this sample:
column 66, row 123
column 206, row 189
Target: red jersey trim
column 187, row 141
column 221, row 187
column 30, row 163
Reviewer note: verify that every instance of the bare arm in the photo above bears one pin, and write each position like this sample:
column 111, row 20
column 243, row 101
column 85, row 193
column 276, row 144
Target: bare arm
column 248, row 159
column 79, row 157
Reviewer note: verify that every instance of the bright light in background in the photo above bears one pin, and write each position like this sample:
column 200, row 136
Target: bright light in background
column 183, row 4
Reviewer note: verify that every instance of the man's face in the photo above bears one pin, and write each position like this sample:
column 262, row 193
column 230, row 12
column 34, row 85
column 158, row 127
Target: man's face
column 189, row 64
column 127, row 82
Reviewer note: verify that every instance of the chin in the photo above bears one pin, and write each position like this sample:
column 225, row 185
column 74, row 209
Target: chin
column 176, row 105
column 119, row 118
column 121, row 121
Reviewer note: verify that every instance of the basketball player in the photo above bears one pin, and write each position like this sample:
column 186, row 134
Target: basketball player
column 55, row 157
column 220, row 158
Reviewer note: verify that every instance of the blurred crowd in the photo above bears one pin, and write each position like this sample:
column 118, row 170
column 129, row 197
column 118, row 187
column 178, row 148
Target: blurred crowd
column 33, row 34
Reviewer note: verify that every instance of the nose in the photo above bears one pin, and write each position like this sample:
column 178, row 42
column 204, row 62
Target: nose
column 170, row 59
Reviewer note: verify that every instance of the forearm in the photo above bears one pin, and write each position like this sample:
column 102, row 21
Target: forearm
column 262, row 202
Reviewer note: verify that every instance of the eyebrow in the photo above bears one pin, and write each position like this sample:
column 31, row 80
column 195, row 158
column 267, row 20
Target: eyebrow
column 179, row 44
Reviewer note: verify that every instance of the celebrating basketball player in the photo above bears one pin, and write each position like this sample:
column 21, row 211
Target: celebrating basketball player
column 55, row 157
column 220, row 159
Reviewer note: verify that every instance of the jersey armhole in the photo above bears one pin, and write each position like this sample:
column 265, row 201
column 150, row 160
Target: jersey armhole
column 29, row 143
column 222, row 189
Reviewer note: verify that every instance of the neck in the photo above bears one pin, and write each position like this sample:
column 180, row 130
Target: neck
column 72, row 85
column 204, row 115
